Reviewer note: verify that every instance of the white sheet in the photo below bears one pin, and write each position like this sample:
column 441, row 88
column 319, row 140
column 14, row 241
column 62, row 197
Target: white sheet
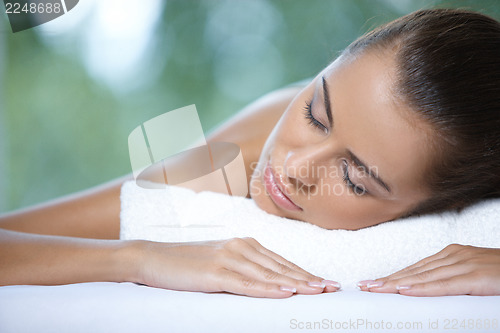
column 126, row 307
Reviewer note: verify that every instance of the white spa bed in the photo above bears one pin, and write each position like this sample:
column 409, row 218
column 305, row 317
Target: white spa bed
column 126, row 307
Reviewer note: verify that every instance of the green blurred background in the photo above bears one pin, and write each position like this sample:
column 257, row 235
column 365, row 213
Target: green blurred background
column 73, row 89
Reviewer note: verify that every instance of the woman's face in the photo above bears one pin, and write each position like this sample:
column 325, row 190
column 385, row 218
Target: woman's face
column 345, row 154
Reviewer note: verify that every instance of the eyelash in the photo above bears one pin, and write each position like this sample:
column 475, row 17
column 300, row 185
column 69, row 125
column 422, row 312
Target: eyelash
column 313, row 121
column 358, row 190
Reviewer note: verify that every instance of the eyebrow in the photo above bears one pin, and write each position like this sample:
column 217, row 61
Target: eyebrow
column 363, row 165
column 328, row 106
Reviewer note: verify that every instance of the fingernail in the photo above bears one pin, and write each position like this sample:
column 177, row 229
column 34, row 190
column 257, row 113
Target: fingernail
column 375, row 284
column 293, row 290
column 365, row 283
column 316, row 284
column 403, row 287
column 331, row 283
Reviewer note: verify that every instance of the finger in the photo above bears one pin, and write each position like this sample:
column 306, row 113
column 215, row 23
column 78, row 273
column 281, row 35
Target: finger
column 331, row 287
column 444, row 253
column 278, row 264
column 440, row 273
column 447, row 261
column 277, row 260
column 438, row 256
column 263, row 256
column 253, row 270
column 441, row 258
column 257, row 246
column 457, row 285
column 236, row 283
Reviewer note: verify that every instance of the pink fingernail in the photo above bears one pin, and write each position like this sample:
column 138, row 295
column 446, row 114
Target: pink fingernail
column 375, row 284
column 331, row 283
column 293, row 290
column 403, row 287
column 365, row 283
column 316, row 284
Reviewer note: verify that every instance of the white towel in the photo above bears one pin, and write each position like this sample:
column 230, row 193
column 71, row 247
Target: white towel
column 177, row 214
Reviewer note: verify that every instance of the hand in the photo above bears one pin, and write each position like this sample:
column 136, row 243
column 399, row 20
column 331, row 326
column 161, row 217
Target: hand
column 456, row 270
column 239, row 265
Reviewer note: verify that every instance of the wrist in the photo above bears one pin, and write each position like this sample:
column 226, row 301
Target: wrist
column 128, row 258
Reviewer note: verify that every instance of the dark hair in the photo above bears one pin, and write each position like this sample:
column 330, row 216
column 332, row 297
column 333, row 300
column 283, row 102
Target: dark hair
column 448, row 68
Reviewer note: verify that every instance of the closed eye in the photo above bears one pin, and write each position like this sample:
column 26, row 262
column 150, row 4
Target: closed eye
column 357, row 189
column 312, row 120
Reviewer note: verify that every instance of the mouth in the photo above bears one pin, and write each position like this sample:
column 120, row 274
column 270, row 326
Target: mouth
column 275, row 188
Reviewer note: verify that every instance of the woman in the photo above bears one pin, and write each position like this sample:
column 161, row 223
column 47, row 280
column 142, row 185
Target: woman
column 406, row 121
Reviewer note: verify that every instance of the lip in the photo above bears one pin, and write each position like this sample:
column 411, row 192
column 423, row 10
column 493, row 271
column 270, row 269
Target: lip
column 274, row 188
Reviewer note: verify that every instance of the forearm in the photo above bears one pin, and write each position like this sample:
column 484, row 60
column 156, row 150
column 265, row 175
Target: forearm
column 94, row 213
column 51, row 260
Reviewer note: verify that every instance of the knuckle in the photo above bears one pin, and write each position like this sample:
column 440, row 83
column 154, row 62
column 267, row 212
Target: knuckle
column 443, row 284
column 284, row 269
column 423, row 276
column 470, row 252
column 247, row 283
column 234, row 244
column 251, row 240
column 269, row 274
column 293, row 266
column 453, row 247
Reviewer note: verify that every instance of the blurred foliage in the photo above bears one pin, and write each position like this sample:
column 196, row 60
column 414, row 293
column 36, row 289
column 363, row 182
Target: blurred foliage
column 62, row 130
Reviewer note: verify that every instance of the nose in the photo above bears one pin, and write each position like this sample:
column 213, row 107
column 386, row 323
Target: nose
column 308, row 165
